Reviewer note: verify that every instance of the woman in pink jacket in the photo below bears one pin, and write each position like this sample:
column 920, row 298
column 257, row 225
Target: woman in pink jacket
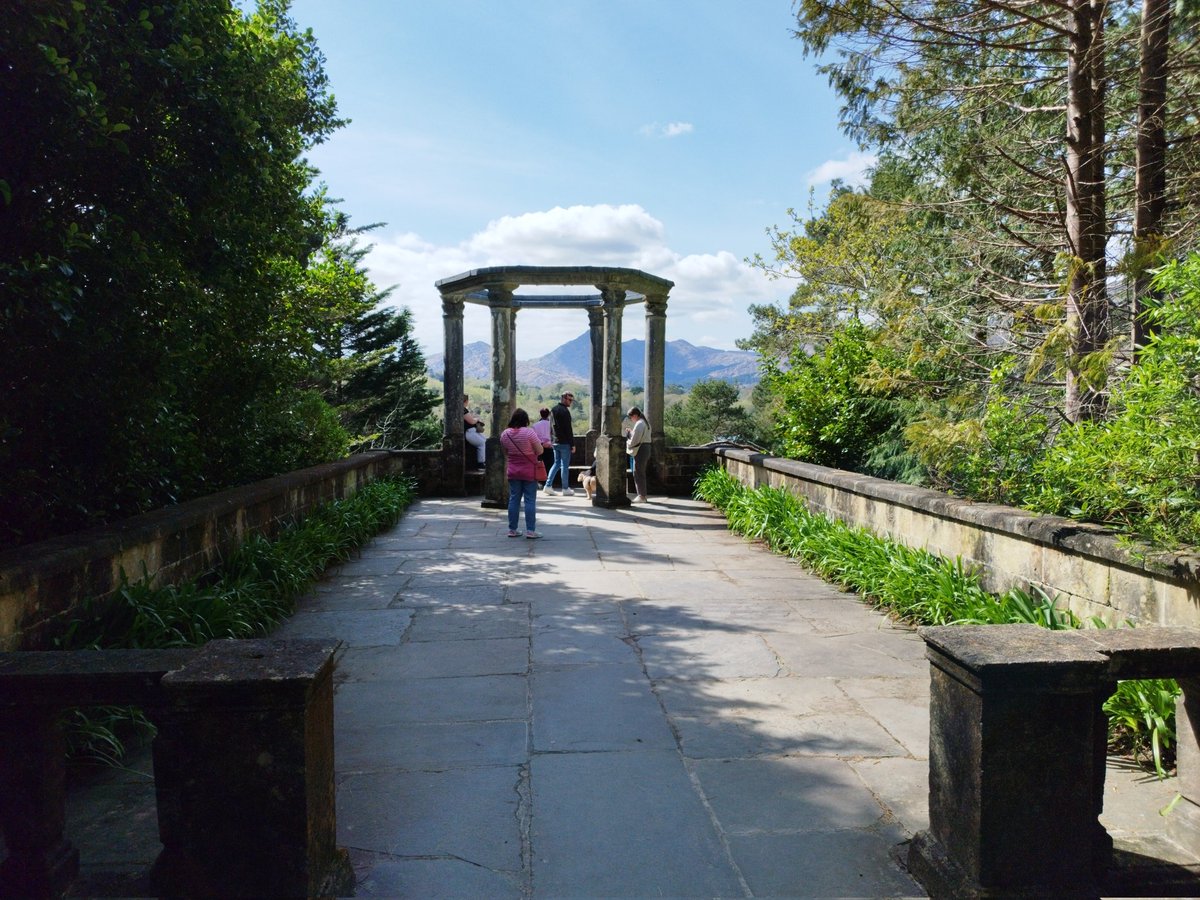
column 523, row 448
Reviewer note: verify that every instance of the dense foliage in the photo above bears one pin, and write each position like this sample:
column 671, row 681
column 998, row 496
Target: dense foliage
column 1139, row 470
column 371, row 368
column 982, row 315
column 158, row 270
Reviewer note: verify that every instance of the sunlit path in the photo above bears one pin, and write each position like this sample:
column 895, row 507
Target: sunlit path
column 640, row 704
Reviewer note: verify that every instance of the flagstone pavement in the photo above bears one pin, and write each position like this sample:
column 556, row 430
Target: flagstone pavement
column 640, row 704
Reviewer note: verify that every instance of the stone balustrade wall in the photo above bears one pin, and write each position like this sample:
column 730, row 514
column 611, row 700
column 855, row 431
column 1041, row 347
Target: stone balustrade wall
column 1091, row 570
column 42, row 584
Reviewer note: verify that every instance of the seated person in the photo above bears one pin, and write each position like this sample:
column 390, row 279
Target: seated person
column 473, row 434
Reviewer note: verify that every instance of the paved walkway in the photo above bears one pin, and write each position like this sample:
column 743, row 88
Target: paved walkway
column 639, row 705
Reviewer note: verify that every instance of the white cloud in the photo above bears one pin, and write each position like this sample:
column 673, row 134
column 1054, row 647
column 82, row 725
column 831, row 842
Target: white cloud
column 852, row 169
column 670, row 130
column 711, row 295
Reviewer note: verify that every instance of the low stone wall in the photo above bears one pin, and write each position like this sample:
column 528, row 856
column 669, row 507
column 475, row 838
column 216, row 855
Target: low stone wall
column 1090, row 570
column 682, row 467
column 41, row 584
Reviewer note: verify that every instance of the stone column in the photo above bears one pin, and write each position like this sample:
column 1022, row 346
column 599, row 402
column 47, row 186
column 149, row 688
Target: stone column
column 495, row 482
column 611, row 461
column 452, row 392
column 596, row 386
column 512, row 375
column 656, row 364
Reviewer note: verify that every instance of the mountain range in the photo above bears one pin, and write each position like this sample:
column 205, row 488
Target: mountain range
column 685, row 363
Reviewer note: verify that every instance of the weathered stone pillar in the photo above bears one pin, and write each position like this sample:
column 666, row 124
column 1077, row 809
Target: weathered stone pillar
column 1183, row 824
column 656, row 364
column 495, row 482
column 452, row 394
column 41, row 862
column 244, row 772
column 1016, row 764
column 512, row 374
column 611, row 460
column 596, row 385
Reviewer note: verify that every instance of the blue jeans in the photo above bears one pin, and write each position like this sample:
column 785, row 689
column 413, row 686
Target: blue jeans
column 640, row 463
column 562, row 464
column 517, row 489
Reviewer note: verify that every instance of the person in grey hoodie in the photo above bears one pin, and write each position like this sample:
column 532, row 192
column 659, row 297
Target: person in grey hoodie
column 637, row 445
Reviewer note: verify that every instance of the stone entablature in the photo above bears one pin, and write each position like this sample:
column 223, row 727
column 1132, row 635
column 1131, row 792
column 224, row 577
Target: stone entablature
column 1091, row 570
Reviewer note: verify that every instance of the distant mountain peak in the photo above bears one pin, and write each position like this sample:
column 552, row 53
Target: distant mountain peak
column 686, row 363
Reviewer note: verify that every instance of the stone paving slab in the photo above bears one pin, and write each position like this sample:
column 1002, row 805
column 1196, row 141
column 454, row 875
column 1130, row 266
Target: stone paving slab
column 466, row 814
column 840, row 656
column 479, row 699
column 432, row 879
column 852, row 863
column 384, row 627
column 440, row 594
column 436, row 659
column 598, row 707
column 470, row 621
column 412, row 746
column 708, row 654
column 751, row 796
column 623, row 825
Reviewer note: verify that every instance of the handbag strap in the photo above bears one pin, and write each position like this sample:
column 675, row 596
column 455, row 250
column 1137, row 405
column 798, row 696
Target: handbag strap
column 514, row 444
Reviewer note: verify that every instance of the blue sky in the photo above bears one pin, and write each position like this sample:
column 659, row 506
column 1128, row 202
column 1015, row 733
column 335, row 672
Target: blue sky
column 661, row 135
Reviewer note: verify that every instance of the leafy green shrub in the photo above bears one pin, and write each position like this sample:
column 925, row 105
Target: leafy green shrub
column 824, row 413
column 251, row 594
column 1141, row 721
column 991, row 457
column 1139, row 470
column 924, row 589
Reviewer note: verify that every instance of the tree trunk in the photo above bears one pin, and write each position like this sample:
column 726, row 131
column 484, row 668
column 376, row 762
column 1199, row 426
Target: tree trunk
column 1151, row 164
column 1087, row 227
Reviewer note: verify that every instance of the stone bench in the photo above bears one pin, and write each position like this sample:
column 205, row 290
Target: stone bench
column 1017, row 759
column 243, row 765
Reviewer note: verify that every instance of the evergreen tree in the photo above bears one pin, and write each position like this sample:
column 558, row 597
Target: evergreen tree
column 384, row 399
column 157, row 216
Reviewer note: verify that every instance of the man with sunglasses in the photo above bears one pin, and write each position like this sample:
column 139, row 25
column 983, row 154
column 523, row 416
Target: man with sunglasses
column 564, row 440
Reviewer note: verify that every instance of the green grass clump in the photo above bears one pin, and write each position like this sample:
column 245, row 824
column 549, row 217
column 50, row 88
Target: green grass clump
column 924, row 589
column 247, row 597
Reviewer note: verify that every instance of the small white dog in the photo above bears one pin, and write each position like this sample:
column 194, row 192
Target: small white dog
column 588, row 482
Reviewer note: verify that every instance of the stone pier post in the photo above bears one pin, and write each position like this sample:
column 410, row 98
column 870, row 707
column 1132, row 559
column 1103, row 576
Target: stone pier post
column 244, row 774
column 495, row 482
column 1016, row 764
column 452, row 394
column 611, row 461
column 41, row 862
column 1183, row 824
